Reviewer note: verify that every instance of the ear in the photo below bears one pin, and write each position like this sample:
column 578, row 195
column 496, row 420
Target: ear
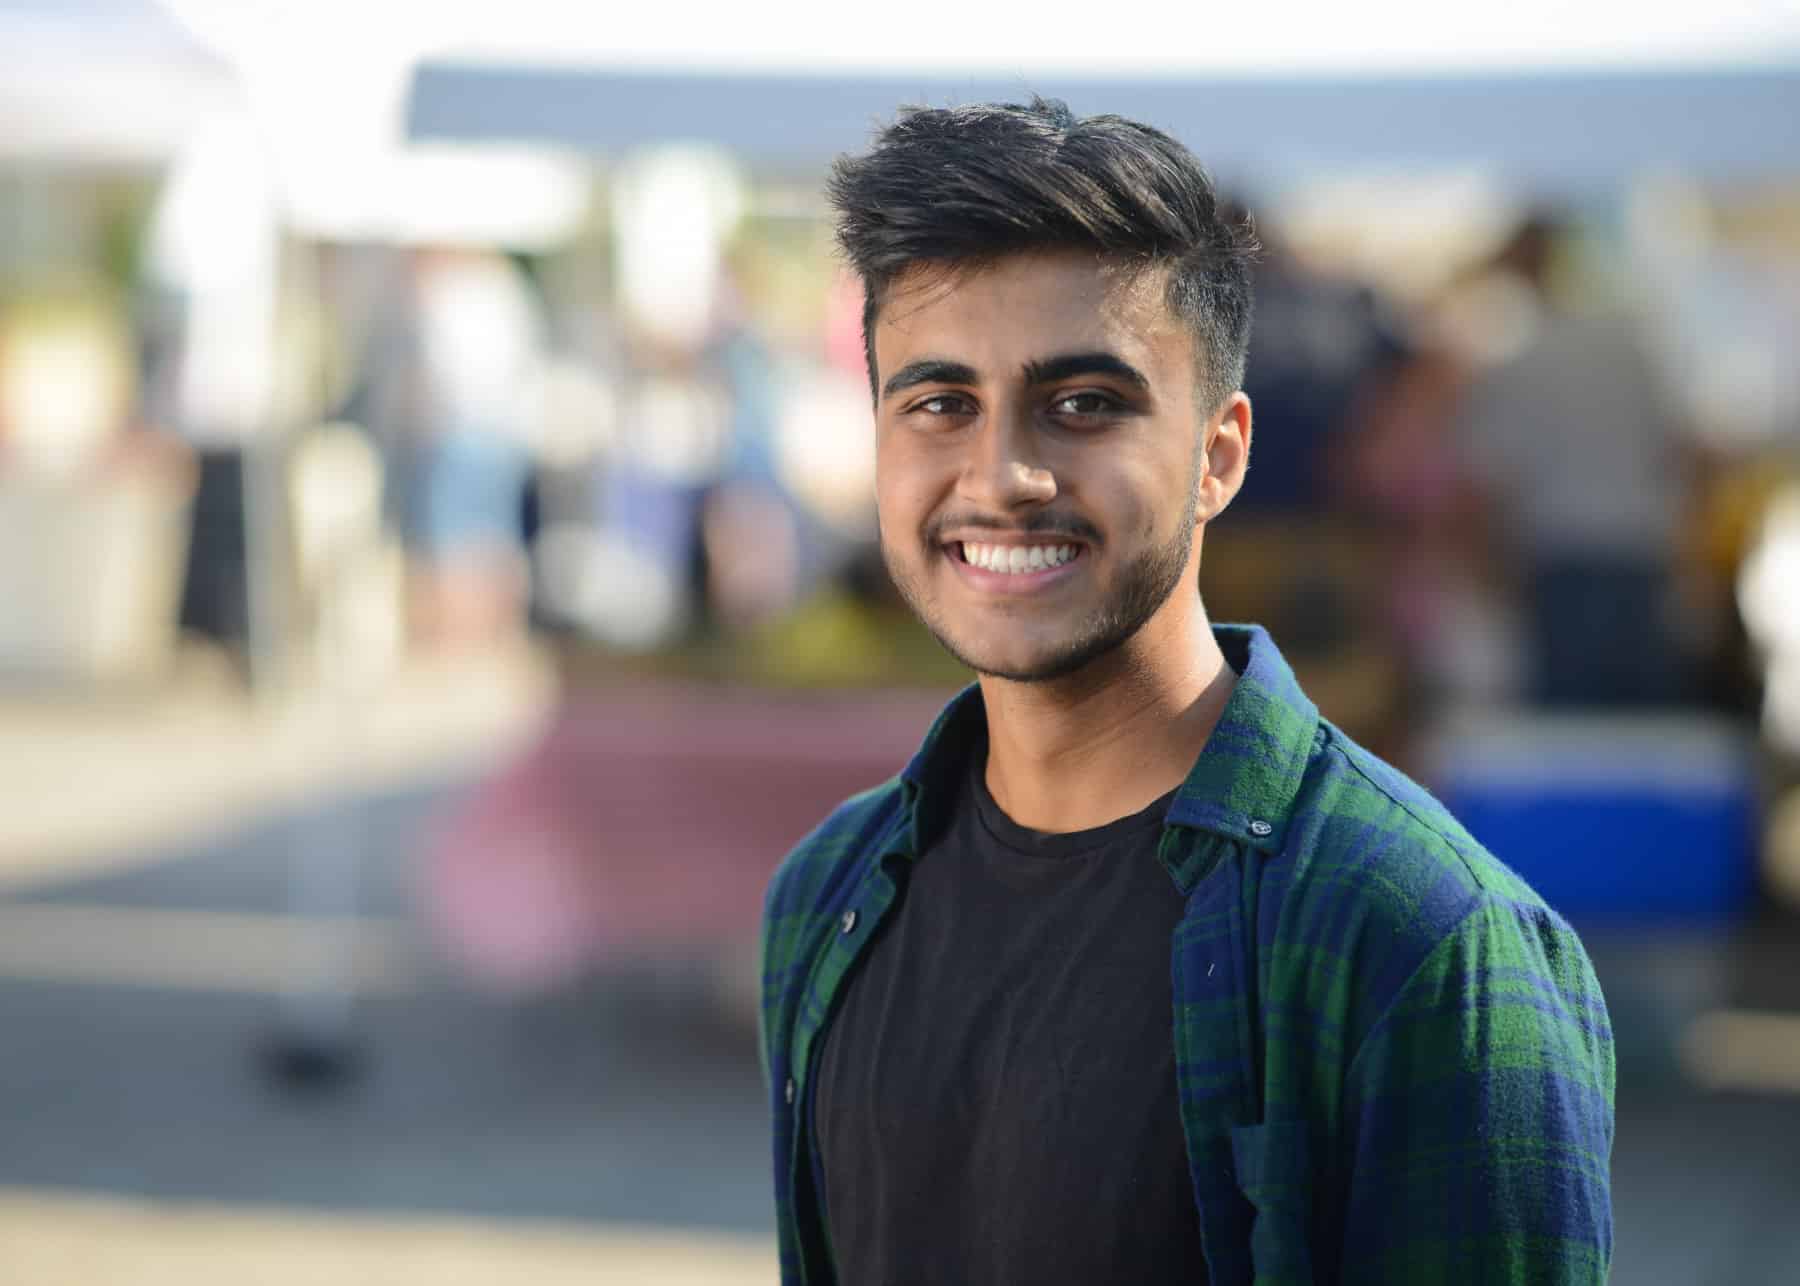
column 1227, row 456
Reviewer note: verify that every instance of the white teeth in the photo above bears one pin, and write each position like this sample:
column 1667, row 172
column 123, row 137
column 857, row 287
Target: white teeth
column 1016, row 559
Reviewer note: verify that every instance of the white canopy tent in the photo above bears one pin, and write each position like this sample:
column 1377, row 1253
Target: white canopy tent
column 1550, row 93
column 102, row 82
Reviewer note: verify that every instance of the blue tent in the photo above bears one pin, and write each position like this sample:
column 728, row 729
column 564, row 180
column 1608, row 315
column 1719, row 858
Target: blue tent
column 1550, row 132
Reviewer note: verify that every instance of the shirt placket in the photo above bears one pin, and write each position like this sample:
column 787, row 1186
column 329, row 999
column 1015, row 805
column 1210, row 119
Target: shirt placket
column 1214, row 1068
column 853, row 929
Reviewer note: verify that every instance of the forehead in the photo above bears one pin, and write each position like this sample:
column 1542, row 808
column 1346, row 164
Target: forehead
column 1021, row 307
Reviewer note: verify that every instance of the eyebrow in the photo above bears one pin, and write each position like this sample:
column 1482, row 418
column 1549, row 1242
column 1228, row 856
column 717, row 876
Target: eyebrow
column 930, row 370
column 1067, row 365
column 1048, row 370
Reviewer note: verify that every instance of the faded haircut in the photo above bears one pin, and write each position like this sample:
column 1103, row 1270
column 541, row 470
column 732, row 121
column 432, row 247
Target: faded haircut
column 962, row 187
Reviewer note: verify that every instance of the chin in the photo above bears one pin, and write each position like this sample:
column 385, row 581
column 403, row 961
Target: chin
column 1025, row 664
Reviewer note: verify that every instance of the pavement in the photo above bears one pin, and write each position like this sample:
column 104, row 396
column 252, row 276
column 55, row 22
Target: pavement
column 164, row 952
column 161, row 963
column 91, row 779
column 86, row 1239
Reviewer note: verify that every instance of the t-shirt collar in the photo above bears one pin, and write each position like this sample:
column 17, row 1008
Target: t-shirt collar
column 1242, row 786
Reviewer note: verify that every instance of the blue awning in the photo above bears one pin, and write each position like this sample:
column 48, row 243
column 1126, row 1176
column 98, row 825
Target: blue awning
column 1552, row 132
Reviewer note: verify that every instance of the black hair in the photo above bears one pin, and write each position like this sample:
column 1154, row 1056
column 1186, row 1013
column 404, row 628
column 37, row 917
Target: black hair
column 964, row 186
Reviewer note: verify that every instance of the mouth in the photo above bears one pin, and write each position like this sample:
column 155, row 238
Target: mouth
column 1014, row 566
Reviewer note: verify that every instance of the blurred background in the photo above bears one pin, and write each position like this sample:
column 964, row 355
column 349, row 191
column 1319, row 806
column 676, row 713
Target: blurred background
column 439, row 581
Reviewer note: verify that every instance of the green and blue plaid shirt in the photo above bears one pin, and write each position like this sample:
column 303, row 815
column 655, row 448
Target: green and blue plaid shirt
column 1393, row 1059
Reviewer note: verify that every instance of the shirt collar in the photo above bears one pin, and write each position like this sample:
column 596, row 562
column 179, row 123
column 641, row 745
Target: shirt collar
column 1242, row 786
column 1244, row 783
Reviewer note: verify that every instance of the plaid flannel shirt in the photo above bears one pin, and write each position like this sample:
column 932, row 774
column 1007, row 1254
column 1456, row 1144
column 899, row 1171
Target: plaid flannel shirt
column 1394, row 1064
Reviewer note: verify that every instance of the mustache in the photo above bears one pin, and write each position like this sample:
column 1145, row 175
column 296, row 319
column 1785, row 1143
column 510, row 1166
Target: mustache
column 1037, row 524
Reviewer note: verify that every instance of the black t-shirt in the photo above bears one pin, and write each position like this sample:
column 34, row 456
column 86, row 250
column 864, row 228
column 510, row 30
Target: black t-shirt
column 996, row 1097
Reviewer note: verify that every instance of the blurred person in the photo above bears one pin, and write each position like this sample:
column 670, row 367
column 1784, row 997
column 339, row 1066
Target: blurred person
column 1140, row 970
column 1576, row 454
column 750, row 545
column 94, row 500
column 1292, row 558
column 751, row 537
column 692, row 439
column 463, row 472
column 1313, row 344
column 1398, row 474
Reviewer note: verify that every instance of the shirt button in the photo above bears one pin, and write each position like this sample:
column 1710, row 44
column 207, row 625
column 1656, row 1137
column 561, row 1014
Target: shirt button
column 1261, row 828
column 849, row 922
column 789, row 1091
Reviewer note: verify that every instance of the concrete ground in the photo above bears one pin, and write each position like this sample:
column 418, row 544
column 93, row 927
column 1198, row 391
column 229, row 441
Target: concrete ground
column 153, row 966
column 611, row 1130
column 88, row 1239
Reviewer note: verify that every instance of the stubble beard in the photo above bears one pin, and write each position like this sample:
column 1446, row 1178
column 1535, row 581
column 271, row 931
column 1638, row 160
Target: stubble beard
column 1145, row 584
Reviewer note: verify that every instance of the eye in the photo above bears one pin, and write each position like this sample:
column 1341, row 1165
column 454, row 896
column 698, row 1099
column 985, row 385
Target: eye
column 1089, row 403
column 942, row 404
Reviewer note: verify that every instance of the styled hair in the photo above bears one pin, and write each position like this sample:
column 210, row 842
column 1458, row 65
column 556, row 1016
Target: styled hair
column 964, row 186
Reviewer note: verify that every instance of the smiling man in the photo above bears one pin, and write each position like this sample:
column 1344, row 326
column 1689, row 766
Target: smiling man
column 1140, row 971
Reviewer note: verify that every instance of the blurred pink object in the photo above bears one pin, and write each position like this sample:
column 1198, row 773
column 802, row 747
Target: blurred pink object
column 647, row 822
column 843, row 326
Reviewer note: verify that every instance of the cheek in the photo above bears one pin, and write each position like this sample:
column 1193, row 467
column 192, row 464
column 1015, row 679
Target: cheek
column 890, row 481
column 1138, row 500
column 906, row 486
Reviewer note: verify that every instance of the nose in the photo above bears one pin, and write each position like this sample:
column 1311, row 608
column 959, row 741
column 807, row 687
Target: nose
column 1002, row 470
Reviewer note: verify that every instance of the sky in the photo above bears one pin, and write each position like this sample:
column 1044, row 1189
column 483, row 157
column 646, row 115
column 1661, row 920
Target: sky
column 958, row 37
column 1092, row 40
column 1281, row 37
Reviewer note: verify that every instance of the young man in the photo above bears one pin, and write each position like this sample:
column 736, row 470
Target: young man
column 1140, row 972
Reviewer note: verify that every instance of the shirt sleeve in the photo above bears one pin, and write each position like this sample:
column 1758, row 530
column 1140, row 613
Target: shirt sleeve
column 1480, row 1114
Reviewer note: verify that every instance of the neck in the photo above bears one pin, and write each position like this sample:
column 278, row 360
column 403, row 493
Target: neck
column 1103, row 743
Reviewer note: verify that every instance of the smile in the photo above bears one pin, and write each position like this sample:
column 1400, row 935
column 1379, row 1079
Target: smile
column 1016, row 560
column 1012, row 569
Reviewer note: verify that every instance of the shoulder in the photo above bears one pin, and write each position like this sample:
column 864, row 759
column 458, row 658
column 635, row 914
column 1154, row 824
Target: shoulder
column 1367, row 806
column 1383, row 877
